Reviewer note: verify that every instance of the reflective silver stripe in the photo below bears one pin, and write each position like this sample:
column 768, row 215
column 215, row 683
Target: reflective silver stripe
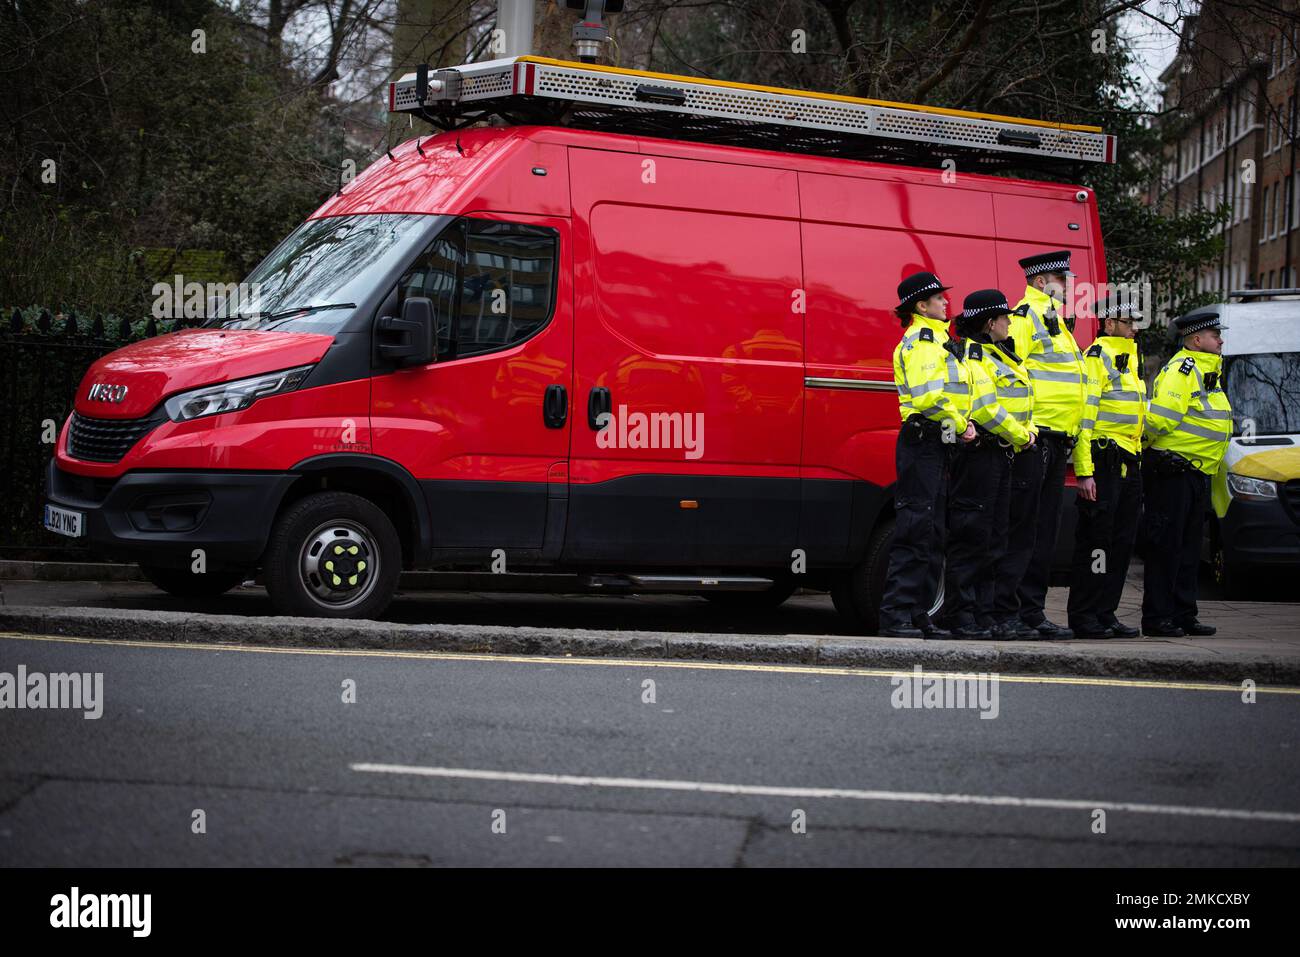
column 1211, row 413
column 1093, row 400
column 984, row 400
column 956, row 388
column 1015, row 392
column 819, row 382
column 1202, row 433
column 1087, row 424
column 1022, row 416
column 1122, row 395
column 997, row 419
column 930, row 386
column 1111, row 372
column 1052, row 376
column 1168, row 413
column 1057, row 357
column 1122, row 418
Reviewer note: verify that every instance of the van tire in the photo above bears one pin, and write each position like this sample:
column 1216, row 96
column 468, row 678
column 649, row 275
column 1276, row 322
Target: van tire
column 867, row 578
column 184, row 583
column 295, row 556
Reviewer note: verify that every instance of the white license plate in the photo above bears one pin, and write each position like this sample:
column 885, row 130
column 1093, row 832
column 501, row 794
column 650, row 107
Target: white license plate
column 64, row 522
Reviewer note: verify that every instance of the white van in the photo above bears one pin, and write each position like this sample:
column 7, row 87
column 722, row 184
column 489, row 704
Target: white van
column 1256, row 494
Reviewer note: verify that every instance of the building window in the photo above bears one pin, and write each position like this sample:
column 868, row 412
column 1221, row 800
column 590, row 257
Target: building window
column 1263, row 233
column 1278, row 209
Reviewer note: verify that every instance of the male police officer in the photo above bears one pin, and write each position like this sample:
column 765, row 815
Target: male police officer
column 1056, row 372
column 1188, row 427
column 1107, row 464
column 934, row 402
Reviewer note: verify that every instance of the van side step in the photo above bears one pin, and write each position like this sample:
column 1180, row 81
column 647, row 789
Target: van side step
column 679, row 583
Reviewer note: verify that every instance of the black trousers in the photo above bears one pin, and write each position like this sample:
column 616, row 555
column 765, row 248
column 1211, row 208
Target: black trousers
column 979, row 502
column 1103, row 540
column 920, row 498
column 1176, row 504
column 1037, row 487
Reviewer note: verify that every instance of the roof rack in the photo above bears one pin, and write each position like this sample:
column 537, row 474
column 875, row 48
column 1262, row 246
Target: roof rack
column 537, row 90
column 1262, row 293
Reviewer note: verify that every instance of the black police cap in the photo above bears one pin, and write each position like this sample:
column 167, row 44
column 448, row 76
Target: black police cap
column 918, row 286
column 1198, row 320
column 1056, row 261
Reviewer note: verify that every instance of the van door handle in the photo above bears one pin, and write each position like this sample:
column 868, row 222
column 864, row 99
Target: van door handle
column 555, row 406
column 598, row 403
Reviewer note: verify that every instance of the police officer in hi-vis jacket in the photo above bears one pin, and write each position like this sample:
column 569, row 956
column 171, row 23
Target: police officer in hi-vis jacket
column 1187, row 430
column 934, row 402
column 979, row 496
column 1056, row 372
column 1107, row 464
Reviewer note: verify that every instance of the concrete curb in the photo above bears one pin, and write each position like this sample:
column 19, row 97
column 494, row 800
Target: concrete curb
column 1128, row 660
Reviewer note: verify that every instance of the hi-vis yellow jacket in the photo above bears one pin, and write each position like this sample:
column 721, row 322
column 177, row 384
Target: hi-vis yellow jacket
column 1115, row 405
column 1002, row 400
column 1189, row 413
column 1054, row 362
column 930, row 379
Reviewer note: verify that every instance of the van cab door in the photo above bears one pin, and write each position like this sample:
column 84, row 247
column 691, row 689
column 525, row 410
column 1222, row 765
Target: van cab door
column 485, row 427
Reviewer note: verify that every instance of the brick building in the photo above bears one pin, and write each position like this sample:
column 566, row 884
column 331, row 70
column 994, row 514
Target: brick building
column 1230, row 100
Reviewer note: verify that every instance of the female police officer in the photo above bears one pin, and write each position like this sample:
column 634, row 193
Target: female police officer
column 934, row 401
column 980, row 495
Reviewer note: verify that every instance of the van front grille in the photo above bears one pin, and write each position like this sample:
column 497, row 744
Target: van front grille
column 107, row 440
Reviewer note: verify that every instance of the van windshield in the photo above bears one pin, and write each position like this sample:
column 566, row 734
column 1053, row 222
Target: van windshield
column 1264, row 389
column 313, row 280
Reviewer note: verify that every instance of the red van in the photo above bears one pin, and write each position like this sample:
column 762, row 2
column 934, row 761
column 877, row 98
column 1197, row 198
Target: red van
column 661, row 363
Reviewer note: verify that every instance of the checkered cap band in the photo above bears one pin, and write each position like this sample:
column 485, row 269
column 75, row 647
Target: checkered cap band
column 984, row 311
column 1206, row 323
column 1052, row 265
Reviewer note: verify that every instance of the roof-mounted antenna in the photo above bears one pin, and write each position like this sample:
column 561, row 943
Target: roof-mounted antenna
column 590, row 32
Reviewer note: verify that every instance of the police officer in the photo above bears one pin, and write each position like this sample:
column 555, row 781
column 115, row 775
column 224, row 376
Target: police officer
column 1108, row 468
column 1055, row 366
column 934, row 402
column 1187, row 430
column 979, row 496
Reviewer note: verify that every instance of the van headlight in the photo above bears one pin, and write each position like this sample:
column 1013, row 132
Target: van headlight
column 232, row 396
column 1251, row 489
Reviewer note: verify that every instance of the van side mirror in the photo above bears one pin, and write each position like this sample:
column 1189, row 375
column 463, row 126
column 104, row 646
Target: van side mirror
column 407, row 341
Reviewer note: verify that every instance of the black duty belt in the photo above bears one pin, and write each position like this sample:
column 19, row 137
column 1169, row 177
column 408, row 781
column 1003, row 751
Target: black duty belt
column 928, row 429
column 1163, row 462
column 1109, row 447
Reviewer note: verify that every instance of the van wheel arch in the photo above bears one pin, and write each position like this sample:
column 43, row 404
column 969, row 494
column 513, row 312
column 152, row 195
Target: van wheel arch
column 381, row 481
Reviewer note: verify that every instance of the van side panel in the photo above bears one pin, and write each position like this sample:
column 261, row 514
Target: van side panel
column 685, row 275
column 860, row 237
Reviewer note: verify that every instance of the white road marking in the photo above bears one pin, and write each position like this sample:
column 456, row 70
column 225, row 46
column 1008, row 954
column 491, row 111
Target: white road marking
column 849, row 794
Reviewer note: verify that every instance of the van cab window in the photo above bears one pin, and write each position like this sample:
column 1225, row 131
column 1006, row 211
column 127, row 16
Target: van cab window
column 492, row 285
column 1264, row 389
column 314, row 279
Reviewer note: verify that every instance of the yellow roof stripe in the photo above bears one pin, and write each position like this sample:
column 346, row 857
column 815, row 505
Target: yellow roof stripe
column 812, row 93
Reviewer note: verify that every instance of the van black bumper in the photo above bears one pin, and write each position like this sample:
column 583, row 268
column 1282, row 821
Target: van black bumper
column 1260, row 533
column 161, row 517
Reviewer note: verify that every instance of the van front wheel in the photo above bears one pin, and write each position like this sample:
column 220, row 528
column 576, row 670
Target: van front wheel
column 333, row 555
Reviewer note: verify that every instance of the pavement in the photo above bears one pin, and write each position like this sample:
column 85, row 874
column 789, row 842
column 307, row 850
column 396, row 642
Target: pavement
column 215, row 755
column 1257, row 640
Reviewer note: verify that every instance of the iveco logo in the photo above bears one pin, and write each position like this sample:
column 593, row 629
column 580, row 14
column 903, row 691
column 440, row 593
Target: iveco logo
column 103, row 392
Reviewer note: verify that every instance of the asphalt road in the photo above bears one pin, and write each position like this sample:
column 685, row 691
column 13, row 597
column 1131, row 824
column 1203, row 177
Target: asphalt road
column 582, row 771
